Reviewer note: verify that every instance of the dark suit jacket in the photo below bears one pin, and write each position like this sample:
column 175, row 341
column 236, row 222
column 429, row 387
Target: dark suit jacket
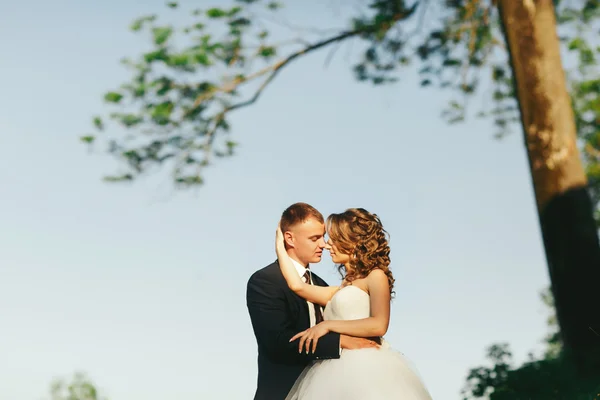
column 277, row 314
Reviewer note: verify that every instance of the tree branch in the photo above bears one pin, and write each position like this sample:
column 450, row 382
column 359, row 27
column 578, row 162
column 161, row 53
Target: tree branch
column 273, row 69
column 278, row 66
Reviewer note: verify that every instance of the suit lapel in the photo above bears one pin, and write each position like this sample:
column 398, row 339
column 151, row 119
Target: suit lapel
column 301, row 305
column 318, row 281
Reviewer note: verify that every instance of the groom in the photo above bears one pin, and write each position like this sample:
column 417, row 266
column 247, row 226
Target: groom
column 277, row 313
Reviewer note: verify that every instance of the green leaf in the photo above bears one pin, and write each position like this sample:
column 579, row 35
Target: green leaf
column 98, row 123
column 139, row 91
column 139, row 23
column 451, row 62
column 223, row 124
column 240, row 22
column 576, row 43
column 234, row 11
column 498, row 73
column 179, row 60
column 158, row 55
column 161, row 113
column 216, row 13
column 190, row 180
column 163, row 85
column 235, row 31
column 266, row 51
column 113, row 97
column 274, row 5
column 128, row 120
column 586, row 57
column 591, row 86
column 89, row 139
column 118, row 178
column 202, row 59
column 455, row 105
column 172, row 5
column 161, row 35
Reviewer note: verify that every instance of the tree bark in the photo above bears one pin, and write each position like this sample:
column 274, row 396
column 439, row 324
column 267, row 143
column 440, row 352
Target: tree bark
column 563, row 202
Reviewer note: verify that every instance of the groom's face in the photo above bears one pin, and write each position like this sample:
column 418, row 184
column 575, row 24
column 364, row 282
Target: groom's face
column 308, row 240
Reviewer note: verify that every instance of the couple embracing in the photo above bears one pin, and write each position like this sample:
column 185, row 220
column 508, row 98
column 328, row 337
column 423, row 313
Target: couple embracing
column 320, row 342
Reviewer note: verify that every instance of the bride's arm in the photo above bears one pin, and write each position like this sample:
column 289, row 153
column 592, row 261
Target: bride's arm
column 377, row 324
column 313, row 293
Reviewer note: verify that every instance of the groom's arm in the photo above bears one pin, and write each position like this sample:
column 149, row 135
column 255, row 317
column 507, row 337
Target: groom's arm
column 274, row 328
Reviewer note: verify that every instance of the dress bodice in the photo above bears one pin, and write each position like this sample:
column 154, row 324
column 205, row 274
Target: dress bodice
column 343, row 378
column 349, row 303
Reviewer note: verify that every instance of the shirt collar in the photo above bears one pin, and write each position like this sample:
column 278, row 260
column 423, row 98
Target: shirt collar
column 299, row 267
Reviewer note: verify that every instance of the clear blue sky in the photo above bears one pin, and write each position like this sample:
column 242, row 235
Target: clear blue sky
column 143, row 288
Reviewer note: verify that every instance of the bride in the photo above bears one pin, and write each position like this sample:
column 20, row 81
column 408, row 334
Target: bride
column 359, row 307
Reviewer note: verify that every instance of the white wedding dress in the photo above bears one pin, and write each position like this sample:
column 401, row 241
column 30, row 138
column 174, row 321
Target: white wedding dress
column 366, row 374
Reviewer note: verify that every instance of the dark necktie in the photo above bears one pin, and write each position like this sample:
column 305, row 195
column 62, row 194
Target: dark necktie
column 318, row 314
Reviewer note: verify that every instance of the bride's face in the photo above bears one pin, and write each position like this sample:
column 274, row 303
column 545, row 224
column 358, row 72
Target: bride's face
column 337, row 255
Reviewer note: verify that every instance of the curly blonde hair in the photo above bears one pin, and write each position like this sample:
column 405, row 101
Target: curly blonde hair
column 360, row 234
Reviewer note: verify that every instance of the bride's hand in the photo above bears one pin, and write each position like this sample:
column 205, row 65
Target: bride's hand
column 311, row 336
column 279, row 242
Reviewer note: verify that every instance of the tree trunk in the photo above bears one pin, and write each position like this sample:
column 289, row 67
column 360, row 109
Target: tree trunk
column 564, row 206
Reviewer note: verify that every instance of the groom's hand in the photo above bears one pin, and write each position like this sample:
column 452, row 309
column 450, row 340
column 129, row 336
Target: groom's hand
column 355, row 343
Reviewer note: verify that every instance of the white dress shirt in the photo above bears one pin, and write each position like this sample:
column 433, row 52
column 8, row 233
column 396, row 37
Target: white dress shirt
column 311, row 310
column 301, row 271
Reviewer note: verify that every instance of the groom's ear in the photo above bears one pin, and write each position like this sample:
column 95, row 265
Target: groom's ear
column 289, row 238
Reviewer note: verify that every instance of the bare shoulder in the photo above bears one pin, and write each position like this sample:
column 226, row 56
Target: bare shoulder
column 377, row 282
column 377, row 276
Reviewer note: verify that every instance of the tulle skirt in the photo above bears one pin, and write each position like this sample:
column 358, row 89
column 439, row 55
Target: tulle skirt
column 366, row 374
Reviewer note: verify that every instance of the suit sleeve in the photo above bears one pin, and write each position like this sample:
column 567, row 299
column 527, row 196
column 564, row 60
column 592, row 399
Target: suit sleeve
column 274, row 328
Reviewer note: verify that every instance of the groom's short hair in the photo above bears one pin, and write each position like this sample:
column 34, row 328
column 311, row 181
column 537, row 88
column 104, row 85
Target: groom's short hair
column 298, row 213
